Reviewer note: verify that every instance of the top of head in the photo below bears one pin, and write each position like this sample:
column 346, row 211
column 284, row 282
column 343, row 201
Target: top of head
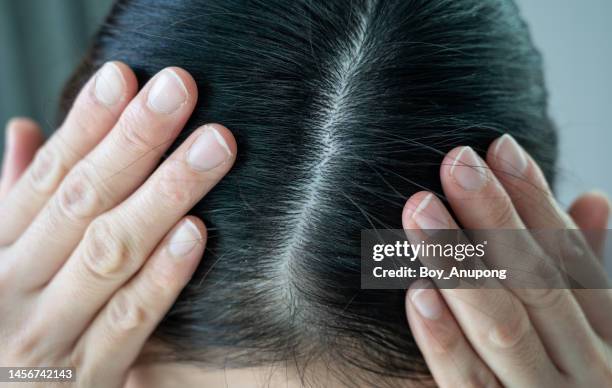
column 341, row 111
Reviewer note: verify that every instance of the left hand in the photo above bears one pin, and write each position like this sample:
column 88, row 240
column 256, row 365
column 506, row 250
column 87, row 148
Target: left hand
column 504, row 337
column 23, row 139
column 94, row 243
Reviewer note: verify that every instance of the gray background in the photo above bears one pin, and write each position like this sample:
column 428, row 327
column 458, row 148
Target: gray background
column 575, row 39
column 42, row 40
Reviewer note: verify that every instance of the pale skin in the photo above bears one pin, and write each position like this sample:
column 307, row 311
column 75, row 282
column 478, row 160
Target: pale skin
column 505, row 336
column 98, row 247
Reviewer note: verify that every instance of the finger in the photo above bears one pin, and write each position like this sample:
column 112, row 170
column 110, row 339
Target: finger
column 23, row 138
column 93, row 114
column 110, row 345
column 493, row 320
column 481, row 202
column 591, row 212
column 117, row 243
column 113, row 170
column 475, row 195
column 525, row 184
column 557, row 234
column 449, row 355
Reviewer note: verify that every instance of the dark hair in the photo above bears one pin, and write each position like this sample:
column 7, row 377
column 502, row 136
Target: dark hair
column 341, row 111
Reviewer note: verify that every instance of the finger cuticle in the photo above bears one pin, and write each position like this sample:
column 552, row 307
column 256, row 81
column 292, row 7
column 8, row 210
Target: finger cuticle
column 510, row 155
column 469, row 171
column 109, row 84
column 209, row 150
column 168, row 92
column 426, row 301
column 429, row 215
column 184, row 239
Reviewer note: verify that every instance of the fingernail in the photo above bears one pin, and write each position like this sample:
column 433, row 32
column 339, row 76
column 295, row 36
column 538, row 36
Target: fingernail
column 468, row 171
column 168, row 92
column 184, row 239
column 510, row 154
column 208, row 151
column 109, row 84
column 426, row 300
column 430, row 216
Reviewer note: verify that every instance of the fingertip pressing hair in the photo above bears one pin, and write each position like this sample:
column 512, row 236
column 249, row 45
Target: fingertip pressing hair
column 341, row 111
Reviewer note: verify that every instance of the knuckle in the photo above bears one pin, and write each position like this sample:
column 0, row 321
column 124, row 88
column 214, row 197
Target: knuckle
column 546, row 273
column 500, row 212
column 162, row 281
column 79, row 119
column 79, row 359
column 596, row 354
column 105, row 253
column 126, row 313
column 79, row 196
column 47, row 170
column 510, row 333
column 76, row 359
column 26, row 342
column 175, row 185
column 544, row 298
column 50, row 220
column 446, row 339
column 499, row 305
column 134, row 136
column 481, row 377
column 86, row 116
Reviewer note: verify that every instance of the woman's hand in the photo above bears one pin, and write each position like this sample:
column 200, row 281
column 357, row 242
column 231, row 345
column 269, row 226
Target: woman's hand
column 503, row 336
column 95, row 247
column 23, row 138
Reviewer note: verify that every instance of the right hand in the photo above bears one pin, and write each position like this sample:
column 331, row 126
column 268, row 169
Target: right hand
column 94, row 245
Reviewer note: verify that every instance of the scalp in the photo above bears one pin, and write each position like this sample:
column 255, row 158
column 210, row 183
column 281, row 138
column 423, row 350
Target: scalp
column 341, row 111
